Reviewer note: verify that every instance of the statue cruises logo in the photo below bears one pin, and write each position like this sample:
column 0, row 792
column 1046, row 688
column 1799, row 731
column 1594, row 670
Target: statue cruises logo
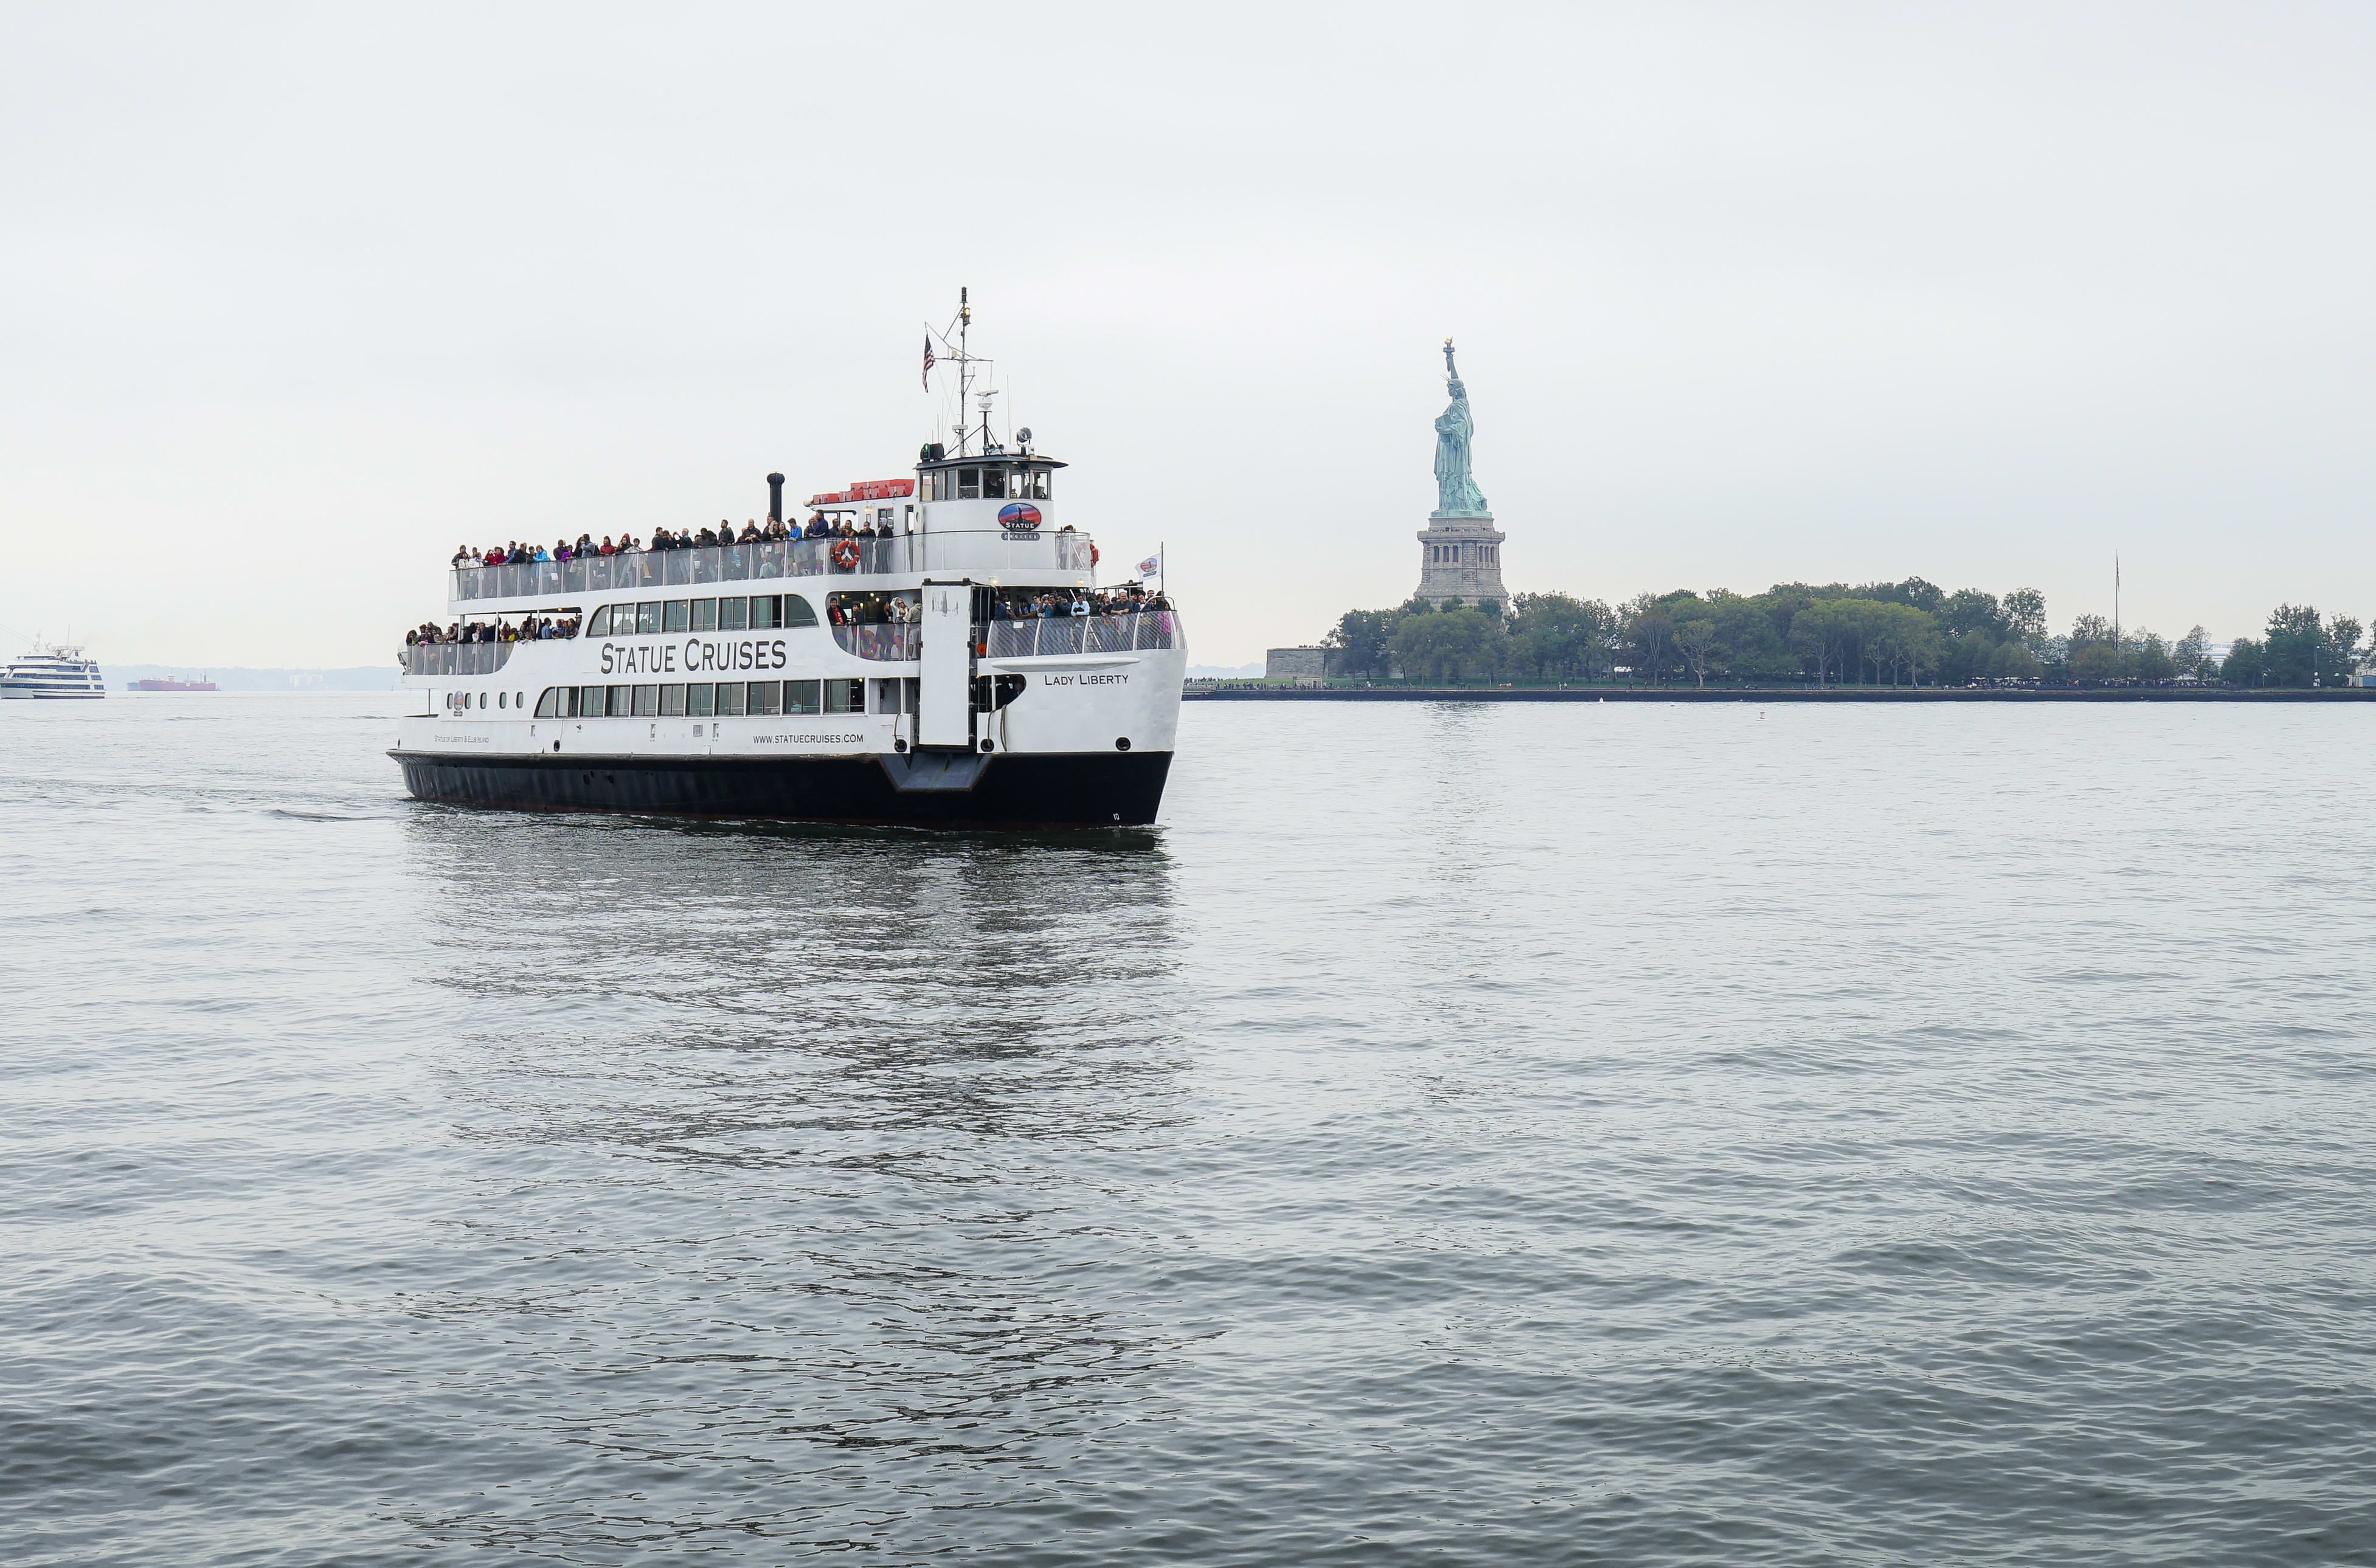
column 1018, row 518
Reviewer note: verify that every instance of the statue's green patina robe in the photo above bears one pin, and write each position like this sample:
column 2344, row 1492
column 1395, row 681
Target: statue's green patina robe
column 1456, row 494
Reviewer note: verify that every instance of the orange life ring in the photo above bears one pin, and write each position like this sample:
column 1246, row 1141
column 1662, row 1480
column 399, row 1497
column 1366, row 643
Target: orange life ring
column 1093, row 554
column 845, row 555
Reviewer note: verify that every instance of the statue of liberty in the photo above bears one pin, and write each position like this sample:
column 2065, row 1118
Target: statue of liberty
column 1455, row 494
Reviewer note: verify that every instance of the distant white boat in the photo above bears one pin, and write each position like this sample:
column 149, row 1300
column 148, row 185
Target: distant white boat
column 52, row 673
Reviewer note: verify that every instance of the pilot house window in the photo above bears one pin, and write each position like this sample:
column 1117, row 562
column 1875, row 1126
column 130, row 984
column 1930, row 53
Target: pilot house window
column 996, row 482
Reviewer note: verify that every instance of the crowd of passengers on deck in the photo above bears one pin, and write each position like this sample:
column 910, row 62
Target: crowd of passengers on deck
column 530, row 628
column 773, row 531
column 1131, row 599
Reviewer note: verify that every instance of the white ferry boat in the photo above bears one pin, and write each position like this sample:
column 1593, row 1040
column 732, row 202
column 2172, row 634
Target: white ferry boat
column 959, row 666
column 52, row 673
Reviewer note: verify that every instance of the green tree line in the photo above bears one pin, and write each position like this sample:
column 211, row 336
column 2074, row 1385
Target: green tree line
column 1905, row 634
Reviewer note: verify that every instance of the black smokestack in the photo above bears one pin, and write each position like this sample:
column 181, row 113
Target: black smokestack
column 775, row 498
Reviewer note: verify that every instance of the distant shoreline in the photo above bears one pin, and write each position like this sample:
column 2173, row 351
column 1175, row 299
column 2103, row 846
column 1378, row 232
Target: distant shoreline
column 1689, row 694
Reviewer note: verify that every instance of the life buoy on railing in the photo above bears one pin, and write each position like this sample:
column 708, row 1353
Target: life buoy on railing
column 1093, row 553
column 845, row 555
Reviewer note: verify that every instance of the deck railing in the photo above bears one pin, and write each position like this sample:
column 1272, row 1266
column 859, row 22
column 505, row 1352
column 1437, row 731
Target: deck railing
column 742, row 563
column 1077, row 634
column 892, row 642
column 888, row 640
column 457, row 659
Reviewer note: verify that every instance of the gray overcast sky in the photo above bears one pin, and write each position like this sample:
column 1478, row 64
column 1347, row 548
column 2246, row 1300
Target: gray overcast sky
column 297, row 298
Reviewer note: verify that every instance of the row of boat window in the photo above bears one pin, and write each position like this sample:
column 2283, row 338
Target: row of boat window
column 987, row 484
column 758, row 612
column 725, row 699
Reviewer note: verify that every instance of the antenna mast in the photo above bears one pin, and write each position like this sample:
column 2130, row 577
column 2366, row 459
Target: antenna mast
column 963, row 429
column 964, row 362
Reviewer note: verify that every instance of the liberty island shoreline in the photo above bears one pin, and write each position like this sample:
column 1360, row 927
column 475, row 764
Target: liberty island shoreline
column 1462, row 624
column 1256, row 693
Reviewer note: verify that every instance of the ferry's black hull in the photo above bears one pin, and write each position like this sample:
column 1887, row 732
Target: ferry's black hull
column 1009, row 790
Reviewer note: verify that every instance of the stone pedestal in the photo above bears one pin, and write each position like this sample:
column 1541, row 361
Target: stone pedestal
column 1460, row 558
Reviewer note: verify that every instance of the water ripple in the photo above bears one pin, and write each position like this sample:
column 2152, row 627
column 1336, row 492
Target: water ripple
column 1592, row 1135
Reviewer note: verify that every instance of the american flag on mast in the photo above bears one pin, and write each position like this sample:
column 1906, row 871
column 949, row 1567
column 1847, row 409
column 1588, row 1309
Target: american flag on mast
column 928, row 361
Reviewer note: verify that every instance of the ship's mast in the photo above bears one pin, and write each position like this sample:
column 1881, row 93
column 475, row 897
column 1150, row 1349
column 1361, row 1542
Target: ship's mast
column 965, row 363
column 964, row 429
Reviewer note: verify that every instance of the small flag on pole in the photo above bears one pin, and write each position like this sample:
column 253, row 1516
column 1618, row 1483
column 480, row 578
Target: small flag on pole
column 1151, row 567
column 928, row 361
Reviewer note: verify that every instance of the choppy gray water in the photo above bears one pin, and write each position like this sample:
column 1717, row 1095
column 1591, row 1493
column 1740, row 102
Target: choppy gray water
column 1600, row 1134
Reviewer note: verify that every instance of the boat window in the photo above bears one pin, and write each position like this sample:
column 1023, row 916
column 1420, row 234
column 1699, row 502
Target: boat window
column 622, row 701
column 993, row 692
column 993, row 484
column 766, row 697
column 705, row 614
column 732, row 614
column 969, row 484
column 802, row 697
column 869, row 608
column 767, row 610
column 549, row 704
column 729, row 697
column 599, row 624
column 647, row 618
column 672, row 701
column 589, row 702
column 502, row 699
column 679, row 616
column 845, row 697
column 1039, row 484
column 700, row 699
column 797, row 612
column 648, row 702
column 887, row 695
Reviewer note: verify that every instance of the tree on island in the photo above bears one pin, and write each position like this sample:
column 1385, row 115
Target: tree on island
column 1649, row 637
column 1554, row 637
column 2296, row 649
column 1359, row 643
column 1454, row 645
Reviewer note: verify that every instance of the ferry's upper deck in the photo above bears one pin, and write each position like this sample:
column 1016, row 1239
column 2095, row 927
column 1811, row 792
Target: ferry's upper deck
column 986, row 517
